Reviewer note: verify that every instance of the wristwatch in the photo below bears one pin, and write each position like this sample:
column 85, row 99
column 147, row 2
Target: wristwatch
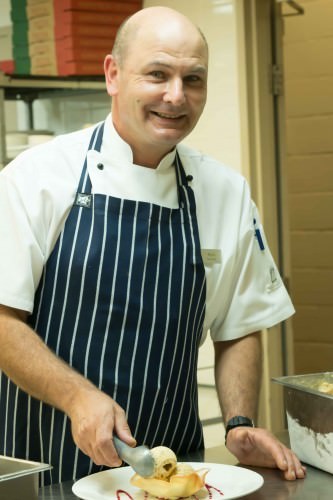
column 238, row 421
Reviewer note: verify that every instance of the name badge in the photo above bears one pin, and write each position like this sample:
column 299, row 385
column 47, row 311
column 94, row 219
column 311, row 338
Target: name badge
column 211, row 256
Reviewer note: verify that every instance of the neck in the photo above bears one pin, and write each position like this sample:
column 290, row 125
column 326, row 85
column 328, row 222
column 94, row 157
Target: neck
column 147, row 160
column 145, row 155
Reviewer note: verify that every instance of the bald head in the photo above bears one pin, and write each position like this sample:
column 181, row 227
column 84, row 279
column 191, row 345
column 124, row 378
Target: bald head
column 151, row 19
column 157, row 78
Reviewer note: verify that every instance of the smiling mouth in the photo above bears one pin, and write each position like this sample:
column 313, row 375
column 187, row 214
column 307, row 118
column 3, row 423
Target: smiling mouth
column 167, row 116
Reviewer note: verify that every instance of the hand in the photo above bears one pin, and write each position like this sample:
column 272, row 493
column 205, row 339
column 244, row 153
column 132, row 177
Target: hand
column 258, row 447
column 94, row 418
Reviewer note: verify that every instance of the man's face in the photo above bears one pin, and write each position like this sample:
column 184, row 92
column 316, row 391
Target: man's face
column 159, row 91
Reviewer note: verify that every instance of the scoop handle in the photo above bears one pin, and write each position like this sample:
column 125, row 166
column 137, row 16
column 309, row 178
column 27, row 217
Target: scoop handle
column 139, row 458
column 124, row 451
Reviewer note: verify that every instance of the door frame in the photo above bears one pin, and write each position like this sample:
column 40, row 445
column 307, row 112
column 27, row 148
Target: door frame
column 259, row 38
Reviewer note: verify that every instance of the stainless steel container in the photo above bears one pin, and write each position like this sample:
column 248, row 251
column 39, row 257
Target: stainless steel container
column 310, row 418
column 19, row 478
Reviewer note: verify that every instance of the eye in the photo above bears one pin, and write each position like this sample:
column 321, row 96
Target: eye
column 193, row 79
column 157, row 74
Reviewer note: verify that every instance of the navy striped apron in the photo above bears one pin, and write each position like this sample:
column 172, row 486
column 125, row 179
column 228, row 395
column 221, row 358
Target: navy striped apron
column 122, row 299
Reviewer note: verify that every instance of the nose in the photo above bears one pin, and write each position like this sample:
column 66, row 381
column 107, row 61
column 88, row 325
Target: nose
column 175, row 92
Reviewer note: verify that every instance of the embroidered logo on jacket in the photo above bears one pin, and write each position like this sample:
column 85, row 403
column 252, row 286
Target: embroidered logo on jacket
column 83, row 200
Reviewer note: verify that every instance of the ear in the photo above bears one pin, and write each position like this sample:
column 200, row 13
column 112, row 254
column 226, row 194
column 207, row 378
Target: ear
column 111, row 72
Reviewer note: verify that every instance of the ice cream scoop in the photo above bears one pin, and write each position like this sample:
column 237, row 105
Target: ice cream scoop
column 139, row 458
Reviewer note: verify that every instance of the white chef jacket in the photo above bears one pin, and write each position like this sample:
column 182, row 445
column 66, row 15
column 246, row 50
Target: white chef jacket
column 245, row 292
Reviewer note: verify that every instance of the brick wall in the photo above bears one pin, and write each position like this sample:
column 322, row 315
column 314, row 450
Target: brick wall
column 308, row 61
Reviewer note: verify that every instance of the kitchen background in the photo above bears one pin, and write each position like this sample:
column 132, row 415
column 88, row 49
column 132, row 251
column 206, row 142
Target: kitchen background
column 304, row 145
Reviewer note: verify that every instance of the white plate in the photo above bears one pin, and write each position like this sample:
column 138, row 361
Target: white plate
column 226, row 482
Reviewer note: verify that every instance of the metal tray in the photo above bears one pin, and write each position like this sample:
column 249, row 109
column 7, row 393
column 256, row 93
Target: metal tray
column 19, row 478
column 310, row 418
column 307, row 383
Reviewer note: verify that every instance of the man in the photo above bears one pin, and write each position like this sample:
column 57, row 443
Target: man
column 105, row 295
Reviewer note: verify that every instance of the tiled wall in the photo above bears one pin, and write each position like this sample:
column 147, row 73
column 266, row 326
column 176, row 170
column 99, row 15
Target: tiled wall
column 308, row 55
column 66, row 114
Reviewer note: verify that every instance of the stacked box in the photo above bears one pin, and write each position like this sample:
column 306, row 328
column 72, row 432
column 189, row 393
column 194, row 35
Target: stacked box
column 6, row 49
column 65, row 37
column 85, row 31
column 41, row 37
column 20, row 36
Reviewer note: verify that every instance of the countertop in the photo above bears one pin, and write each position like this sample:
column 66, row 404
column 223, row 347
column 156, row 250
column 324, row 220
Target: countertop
column 317, row 484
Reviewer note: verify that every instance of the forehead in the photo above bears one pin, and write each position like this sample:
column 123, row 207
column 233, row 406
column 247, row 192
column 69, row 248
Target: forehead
column 172, row 44
column 169, row 56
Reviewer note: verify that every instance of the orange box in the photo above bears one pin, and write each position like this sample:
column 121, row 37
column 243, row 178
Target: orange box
column 33, row 2
column 80, row 68
column 40, row 35
column 126, row 7
column 85, row 30
column 94, row 55
column 44, row 59
column 70, row 42
column 44, row 71
column 42, row 23
column 84, row 17
column 43, row 47
column 40, row 9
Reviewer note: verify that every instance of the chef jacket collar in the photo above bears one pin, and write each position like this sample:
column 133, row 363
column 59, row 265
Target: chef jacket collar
column 115, row 147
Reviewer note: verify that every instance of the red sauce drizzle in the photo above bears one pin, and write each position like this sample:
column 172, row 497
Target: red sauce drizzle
column 209, row 488
column 119, row 492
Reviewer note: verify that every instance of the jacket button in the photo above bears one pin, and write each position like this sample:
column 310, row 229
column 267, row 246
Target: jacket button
column 100, row 166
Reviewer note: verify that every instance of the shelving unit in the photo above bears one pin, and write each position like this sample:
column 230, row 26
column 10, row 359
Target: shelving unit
column 28, row 89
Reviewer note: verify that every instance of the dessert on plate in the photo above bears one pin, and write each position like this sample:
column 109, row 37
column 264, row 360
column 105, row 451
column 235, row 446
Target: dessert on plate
column 170, row 478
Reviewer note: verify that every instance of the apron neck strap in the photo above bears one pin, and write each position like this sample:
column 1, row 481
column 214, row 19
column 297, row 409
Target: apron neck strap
column 97, row 137
column 180, row 172
column 95, row 143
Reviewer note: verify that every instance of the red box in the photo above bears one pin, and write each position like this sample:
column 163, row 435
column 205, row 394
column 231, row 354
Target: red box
column 80, row 68
column 82, row 55
column 8, row 66
column 84, row 17
column 72, row 43
column 86, row 30
column 123, row 6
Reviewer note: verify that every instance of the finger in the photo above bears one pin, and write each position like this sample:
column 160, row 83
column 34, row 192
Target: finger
column 104, row 452
column 300, row 470
column 121, row 427
column 295, row 468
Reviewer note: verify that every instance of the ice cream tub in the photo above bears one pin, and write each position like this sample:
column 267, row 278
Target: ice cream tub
column 309, row 408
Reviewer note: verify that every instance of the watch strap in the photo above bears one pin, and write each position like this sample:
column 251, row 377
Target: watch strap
column 238, row 421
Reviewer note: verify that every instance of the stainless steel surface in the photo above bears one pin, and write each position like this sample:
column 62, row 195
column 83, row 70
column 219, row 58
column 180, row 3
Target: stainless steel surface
column 21, row 84
column 317, row 484
column 307, row 383
column 309, row 416
column 18, row 475
column 306, row 404
column 139, row 458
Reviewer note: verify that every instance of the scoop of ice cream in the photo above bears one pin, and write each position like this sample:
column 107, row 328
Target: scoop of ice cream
column 165, row 462
column 183, row 469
